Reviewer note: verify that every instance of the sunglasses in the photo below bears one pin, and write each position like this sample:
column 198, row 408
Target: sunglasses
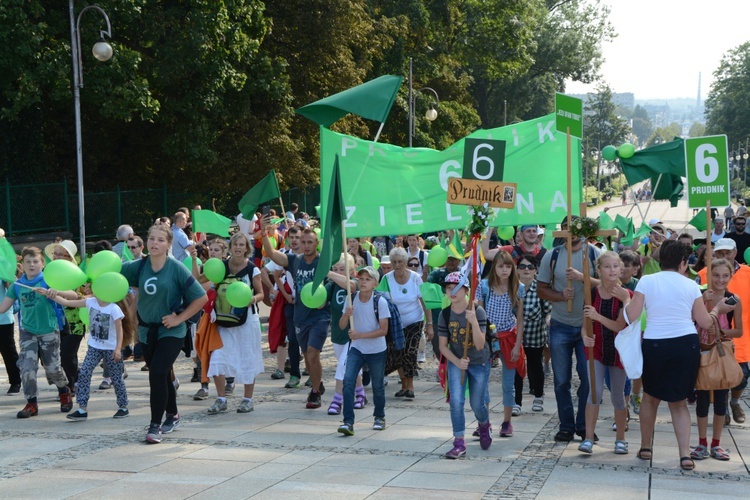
column 134, row 247
column 526, row 266
column 413, row 265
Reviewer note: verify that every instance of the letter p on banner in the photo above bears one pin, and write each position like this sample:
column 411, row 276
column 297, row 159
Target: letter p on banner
column 707, row 170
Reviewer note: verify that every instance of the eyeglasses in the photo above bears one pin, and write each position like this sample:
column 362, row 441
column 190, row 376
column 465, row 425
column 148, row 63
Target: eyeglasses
column 413, row 265
column 134, row 247
column 526, row 266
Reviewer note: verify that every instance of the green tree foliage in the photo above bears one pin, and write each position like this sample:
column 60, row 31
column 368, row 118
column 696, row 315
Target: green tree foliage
column 728, row 102
column 601, row 123
column 697, row 129
column 665, row 134
column 642, row 125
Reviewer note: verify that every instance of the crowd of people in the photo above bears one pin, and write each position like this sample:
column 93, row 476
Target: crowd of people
column 527, row 317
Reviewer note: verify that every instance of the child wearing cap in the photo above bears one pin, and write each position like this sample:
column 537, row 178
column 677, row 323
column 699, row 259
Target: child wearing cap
column 367, row 333
column 453, row 328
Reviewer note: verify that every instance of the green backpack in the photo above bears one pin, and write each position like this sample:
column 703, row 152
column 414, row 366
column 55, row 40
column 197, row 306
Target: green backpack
column 227, row 315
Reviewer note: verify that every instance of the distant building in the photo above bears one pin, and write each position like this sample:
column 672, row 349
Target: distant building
column 625, row 100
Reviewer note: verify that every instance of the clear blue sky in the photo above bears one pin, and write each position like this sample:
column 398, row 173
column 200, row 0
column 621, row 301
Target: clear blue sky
column 662, row 45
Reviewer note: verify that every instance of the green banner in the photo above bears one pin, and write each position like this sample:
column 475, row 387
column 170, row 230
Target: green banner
column 389, row 190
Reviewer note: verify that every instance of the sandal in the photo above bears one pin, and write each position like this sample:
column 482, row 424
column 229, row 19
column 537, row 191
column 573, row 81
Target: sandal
column 360, row 401
column 645, row 454
column 686, row 463
column 621, row 447
column 700, row 452
column 719, row 453
column 586, row 446
column 335, row 408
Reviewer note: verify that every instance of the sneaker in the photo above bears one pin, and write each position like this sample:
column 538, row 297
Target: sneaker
column 587, row 446
column 229, row 388
column 378, row 424
column 14, row 389
column 106, row 384
column 421, row 357
column 346, row 429
column 485, row 435
column 293, row 383
column 278, row 375
column 153, row 436
column 458, row 450
column 77, row 416
column 30, row 410
column 245, row 407
column 170, row 423
column 218, row 407
column 635, row 401
column 538, row 405
column 737, row 414
column 408, row 395
column 66, row 401
column 121, row 413
column 700, row 452
column 564, row 436
column 144, row 368
column 516, row 410
column 506, row 430
column 201, row 395
column 313, row 400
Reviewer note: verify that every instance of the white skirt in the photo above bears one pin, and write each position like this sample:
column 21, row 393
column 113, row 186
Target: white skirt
column 241, row 356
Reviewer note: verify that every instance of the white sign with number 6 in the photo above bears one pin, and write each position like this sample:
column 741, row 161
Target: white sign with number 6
column 706, row 167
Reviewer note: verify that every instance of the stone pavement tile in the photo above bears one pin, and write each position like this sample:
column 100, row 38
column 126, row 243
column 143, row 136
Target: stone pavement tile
column 235, row 454
column 440, row 465
column 322, row 473
column 394, row 493
column 663, row 487
column 301, row 457
column 132, row 457
column 430, row 416
column 556, row 491
column 367, row 461
column 197, row 469
column 407, row 438
column 569, row 482
column 148, row 486
column 442, row 481
column 290, row 432
column 237, row 488
column 289, row 490
column 53, row 483
column 17, row 449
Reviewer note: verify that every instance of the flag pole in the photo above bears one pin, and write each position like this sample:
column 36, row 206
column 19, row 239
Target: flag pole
column 380, row 129
column 653, row 192
column 344, row 249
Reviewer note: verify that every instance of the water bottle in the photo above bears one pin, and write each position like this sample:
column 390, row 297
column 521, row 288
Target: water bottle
column 495, row 341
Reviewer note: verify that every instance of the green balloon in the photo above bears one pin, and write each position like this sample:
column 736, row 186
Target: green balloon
column 313, row 301
column 609, row 153
column 188, row 261
column 375, row 263
column 215, row 270
column 626, row 150
column 110, row 287
column 437, row 257
column 83, row 315
column 747, row 255
column 505, row 232
column 102, row 262
column 63, row 275
column 239, row 294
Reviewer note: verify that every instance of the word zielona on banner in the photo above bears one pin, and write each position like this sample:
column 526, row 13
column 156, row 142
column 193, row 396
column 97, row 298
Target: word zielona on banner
column 392, row 190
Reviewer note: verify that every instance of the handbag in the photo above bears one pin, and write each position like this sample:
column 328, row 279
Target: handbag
column 628, row 345
column 718, row 367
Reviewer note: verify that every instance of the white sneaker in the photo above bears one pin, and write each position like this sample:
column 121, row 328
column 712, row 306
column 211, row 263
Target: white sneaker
column 516, row 410
column 218, row 407
column 421, row 357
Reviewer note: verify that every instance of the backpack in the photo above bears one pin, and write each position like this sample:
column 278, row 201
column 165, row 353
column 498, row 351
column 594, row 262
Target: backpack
column 556, row 254
column 395, row 333
column 179, row 304
column 518, row 252
column 226, row 314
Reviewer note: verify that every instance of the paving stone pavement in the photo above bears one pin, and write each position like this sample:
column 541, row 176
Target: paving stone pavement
column 282, row 450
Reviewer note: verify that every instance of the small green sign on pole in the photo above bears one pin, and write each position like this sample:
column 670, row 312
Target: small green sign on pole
column 569, row 114
column 707, row 171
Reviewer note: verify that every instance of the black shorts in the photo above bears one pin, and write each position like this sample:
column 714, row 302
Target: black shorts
column 670, row 367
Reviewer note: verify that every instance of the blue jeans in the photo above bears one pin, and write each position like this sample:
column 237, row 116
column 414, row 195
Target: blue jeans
column 476, row 376
column 564, row 341
column 354, row 362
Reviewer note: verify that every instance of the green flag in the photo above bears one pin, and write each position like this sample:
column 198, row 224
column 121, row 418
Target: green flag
column 332, row 233
column 699, row 221
column 383, row 286
column 127, row 255
column 666, row 160
column 372, row 100
column 7, row 261
column 624, row 224
column 644, row 230
column 605, row 221
column 267, row 189
column 454, row 247
column 207, row 221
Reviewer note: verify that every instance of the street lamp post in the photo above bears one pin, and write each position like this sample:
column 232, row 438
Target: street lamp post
column 103, row 52
column 431, row 113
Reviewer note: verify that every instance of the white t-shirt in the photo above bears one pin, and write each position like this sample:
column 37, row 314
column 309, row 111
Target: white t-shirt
column 286, row 277
column 669, row 298
column 406, row 297
column 364, row 321
column 102, row 332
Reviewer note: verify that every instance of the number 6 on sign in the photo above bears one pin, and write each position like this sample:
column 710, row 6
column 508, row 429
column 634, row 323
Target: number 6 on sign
column 707, row 171
column 484, row 159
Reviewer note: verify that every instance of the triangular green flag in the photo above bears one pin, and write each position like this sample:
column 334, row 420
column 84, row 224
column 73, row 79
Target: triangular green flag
column 454, row 247
column 383, row 286
column 372, row 100
column 127, row 255
column 207, row 221
column 7, row 261
column 605, row 221
column 644, row 230
column 623, row 223
column 699, row 221
column 333, row 237
column 267, row 189
column 627, row 240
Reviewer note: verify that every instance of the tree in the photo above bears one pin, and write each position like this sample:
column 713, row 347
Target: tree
column 728, row 102
column 642, row 125
column 601, row 124
column 665, row 134
column 697, row 129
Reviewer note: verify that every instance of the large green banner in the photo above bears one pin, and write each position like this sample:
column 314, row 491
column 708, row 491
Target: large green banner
column 392, row 190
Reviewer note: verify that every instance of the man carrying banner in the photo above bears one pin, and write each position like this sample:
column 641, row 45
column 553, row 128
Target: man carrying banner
column 310, row 325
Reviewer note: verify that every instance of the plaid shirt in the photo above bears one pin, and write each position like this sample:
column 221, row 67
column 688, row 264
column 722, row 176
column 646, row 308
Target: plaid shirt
column 535, row 311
